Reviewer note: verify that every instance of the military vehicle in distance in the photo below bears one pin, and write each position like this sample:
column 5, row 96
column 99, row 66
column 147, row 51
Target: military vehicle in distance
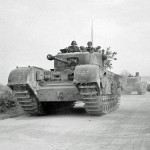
column 134, row 83
column 76, row 77
column 148, row 87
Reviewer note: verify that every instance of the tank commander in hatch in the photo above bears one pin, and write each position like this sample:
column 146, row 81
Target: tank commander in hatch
column 73, row 48
column 90, row 48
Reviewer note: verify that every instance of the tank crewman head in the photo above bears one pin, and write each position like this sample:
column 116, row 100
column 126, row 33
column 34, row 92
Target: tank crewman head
column 73, row 43
column 89, row 44
column 73, row 48
column 90, row 48
column 98, row 49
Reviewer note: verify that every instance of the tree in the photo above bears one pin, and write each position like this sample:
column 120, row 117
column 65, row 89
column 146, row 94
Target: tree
column 124, row 74
column 110, row 56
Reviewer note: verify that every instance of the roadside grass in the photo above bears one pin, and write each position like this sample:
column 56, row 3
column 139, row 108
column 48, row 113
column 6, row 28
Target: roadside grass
column 9, row 107
column 11, row 113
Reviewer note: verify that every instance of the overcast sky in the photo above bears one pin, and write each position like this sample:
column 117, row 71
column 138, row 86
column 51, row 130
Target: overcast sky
column 30, row 29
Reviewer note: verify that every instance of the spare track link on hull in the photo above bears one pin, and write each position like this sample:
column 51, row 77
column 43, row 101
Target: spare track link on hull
column 96, row 104
column 28, row 101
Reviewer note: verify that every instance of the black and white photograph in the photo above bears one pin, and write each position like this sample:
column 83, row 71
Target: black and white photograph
column 74, row 75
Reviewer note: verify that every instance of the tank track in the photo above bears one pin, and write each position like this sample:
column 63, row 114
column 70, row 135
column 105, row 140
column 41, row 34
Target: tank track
column 95, row 103
column 28, row 101
column 32, row 106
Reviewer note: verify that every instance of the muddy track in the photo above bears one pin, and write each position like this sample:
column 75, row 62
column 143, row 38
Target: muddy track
column 29, row 102
column 96, row 104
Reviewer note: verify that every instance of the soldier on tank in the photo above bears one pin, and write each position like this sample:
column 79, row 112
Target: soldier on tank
column 73, row 48
column 90, row 48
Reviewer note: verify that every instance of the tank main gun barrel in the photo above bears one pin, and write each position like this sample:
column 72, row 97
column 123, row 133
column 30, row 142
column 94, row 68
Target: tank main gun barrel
column 51, row 57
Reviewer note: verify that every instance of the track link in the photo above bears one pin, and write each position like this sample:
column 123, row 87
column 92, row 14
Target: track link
column 95, row 103
column 28, row 101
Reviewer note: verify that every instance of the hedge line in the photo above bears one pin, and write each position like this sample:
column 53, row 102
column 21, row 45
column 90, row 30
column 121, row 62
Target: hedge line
column 7, row 100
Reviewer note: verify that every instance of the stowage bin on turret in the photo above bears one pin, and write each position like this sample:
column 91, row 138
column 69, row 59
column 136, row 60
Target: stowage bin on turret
column 76, row 77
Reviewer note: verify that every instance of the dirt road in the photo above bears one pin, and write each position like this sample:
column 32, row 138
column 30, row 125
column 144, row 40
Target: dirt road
column 127, row 128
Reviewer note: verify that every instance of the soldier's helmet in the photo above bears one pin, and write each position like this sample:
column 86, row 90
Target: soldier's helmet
column 89, row 43
column 73, row 43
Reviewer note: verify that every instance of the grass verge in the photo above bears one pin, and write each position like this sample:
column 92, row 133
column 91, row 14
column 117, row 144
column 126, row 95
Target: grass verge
column 9, row 107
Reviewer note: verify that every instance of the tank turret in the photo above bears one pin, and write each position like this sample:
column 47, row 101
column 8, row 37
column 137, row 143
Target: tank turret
column 71, row 61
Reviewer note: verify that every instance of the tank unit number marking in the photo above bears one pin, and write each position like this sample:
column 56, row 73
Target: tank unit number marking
column 60, row 95
column 83, row 73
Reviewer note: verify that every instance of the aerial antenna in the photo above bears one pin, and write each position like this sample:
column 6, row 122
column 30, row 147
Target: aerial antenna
column 74, row 38
column 92, row 32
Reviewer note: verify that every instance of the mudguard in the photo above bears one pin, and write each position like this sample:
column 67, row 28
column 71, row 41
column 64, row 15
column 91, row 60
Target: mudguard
column 24, row 76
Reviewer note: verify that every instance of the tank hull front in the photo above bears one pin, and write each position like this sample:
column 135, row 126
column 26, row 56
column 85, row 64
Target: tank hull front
column 61, row 91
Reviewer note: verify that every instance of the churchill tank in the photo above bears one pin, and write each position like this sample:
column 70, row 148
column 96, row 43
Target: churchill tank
column 135, row 84
column 78, row 76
